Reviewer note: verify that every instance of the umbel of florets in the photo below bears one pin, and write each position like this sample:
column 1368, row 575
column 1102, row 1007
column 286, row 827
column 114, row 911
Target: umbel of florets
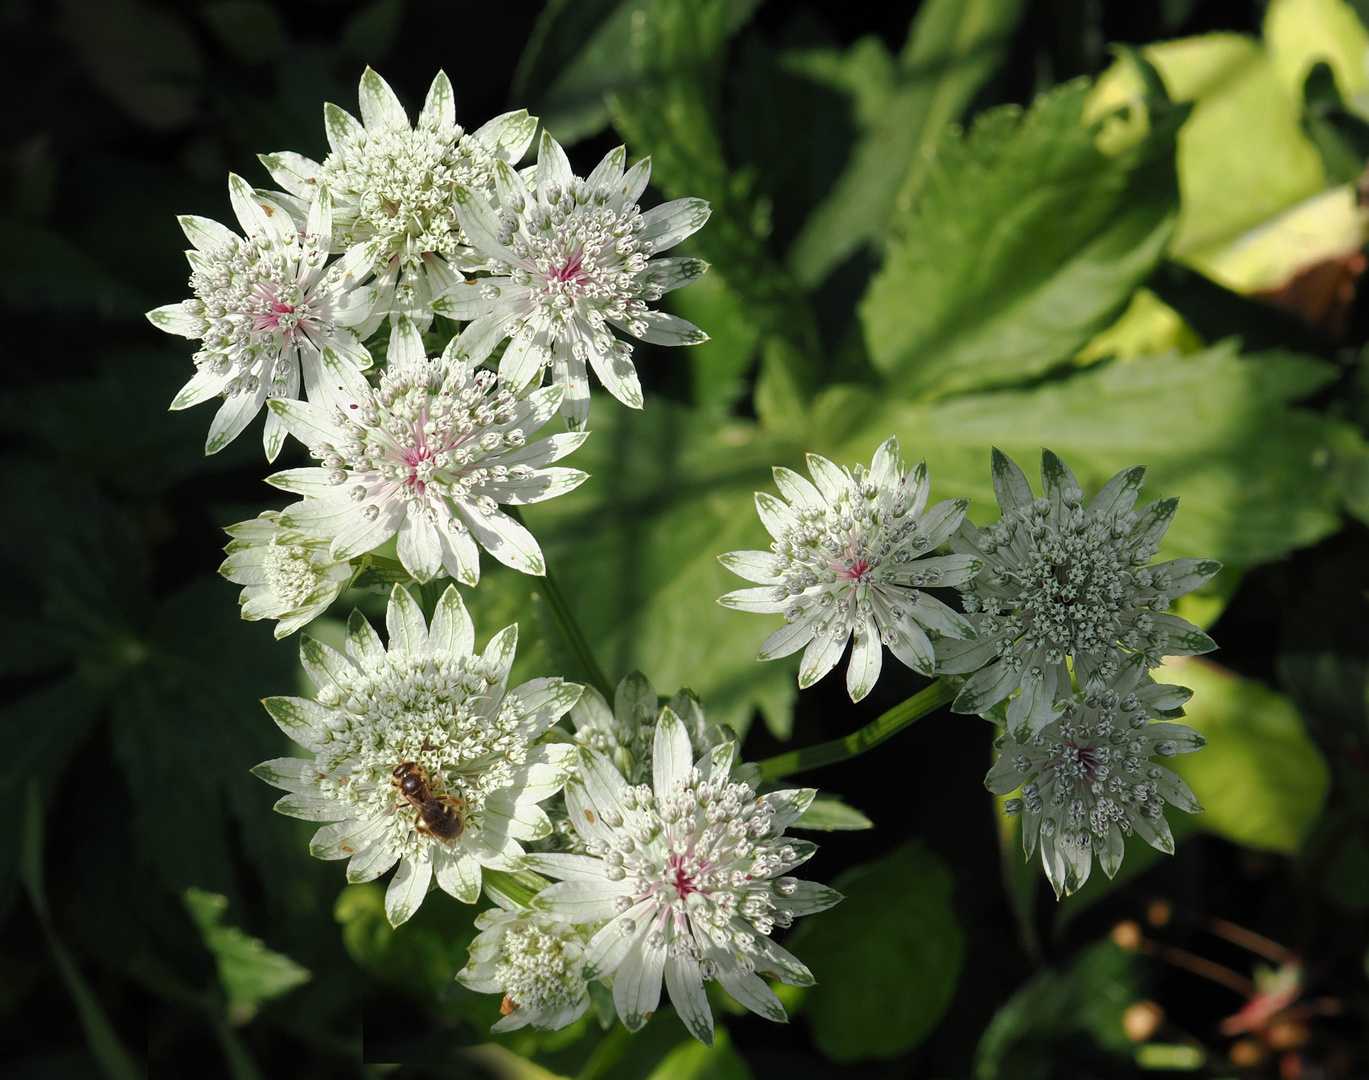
column 395, row 185
column 266, row 311
column 422, row 755
column 1066, row 583
column 1093, row 776
column 429, row 456
column 853, row 557
column 571, row 259
column 685, row 879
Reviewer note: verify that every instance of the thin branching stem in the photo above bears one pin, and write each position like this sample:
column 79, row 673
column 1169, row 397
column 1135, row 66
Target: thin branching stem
column 858, row 742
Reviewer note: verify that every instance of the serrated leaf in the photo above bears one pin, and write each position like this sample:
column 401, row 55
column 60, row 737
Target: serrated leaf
column 902, row 108
column 1026, row 242
column 1215, row 428
column 249, row 972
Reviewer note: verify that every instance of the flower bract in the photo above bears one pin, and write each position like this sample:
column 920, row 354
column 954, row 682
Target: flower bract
column 428, row 455
column 686, row 879
column 534, row 960
column 266, row 312
column 1091, row 777
column 430, row 709
column 288, row 575
column 570, row 258
column 394, row 187
column 1066, row 583
column 852, row 558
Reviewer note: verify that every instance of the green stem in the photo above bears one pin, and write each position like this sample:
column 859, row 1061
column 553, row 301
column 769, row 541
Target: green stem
column 871, row 735
column 568, row 627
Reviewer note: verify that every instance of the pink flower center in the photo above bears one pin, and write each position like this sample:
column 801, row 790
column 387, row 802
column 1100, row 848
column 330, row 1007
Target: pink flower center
column 856, row 572
column 571, row 272
column 274, row 315
column 678, row 878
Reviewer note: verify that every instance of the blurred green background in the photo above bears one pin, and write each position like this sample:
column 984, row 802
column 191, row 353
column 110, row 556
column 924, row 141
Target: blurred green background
column 1131, row 232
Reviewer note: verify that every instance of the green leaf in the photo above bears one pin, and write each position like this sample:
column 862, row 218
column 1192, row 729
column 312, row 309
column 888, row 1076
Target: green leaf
column 1026, row 242
column 1260, row 779
column 902, row 109
column 583, row 50
column 1039, row 1030
column 1214, row 428
column 142, row 56
column 1241, row 114
column 886, row 959
column 249, row 972
column 671, row 114
column 635, row 553
column 691, row 1060
column 251, row 30
column 830, row 814
column 420, row 959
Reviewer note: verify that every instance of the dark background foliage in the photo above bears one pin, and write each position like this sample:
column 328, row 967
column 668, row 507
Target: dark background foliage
column 130, row 712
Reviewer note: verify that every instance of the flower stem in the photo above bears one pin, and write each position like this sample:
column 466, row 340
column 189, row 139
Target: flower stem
column 569, row 628
column 871, row 735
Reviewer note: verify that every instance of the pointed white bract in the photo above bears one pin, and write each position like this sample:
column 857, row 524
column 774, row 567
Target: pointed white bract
column 534, row 960
column 685, row 879
column 853, row 558
column 1091, row 778
column 626, row 733
column 429, row 456
column 428, row 701
column 394, row 187
column 288, row 575
column 569, row 259
column 1063, row 583
column 266, row 311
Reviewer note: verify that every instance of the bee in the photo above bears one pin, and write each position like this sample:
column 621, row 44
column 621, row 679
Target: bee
column 439, row 816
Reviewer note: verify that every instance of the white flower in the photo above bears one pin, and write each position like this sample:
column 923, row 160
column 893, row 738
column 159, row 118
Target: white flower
column 264, row 309
column 393, row 186
column 288, row 575
column 534, row 961
column 570, row 258
column 688, row 879
column 1060, row 583
column 1088, row 778
column 851, row 559
column 431, row 703
column 428, row 455
column 625, row 733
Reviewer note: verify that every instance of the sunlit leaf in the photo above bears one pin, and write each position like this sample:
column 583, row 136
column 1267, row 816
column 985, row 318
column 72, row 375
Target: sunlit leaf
column 902, row 107
column 1026, row 242
column 1213, row 428
column 1260, row 779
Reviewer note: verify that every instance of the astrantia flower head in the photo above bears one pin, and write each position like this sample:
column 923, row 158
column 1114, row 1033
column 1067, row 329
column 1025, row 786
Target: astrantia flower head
column 420, row 755
column 1062, row 582
column 1090, row 777
column 265, row 310
column 688, row 878
column 625, row 734
column 532, row 959
column 429, row 455
column 851, row 558
column 572, row 257
column 288, row 575
column 394, row 185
